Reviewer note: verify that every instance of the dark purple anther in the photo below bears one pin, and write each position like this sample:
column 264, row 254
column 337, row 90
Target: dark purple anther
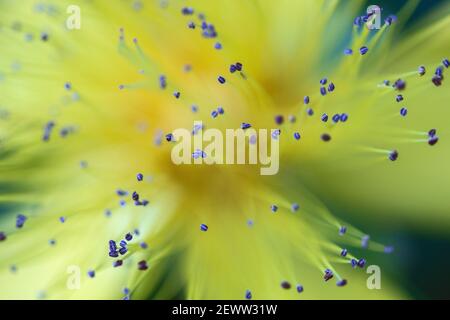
column 142, row 265
column 20, row 221
column 341, row 283
column 348, row 52
column 403, row 112
column 437, row 80
column 388, row 249
column 285, row 285
column 336, row 118
column 421, row 70
column 279, row 119
column 112, row 245
column 113, row 254
column 44, row 36
column 143, row 245
column 169, row 137
column 433, row 140
column 325, row 137
column 432, row 133
column 363, row 50
column 331, row 87
column 162, row 82
column 399, row 85
column 306, row 100
column 328, row 274
column 388, row 21
column 187, row 11
column 48, row 130
column 365, row 241
column 446, row 62
column 393, row 155
column 357, row 21
column 121, row 193
column 361, row 263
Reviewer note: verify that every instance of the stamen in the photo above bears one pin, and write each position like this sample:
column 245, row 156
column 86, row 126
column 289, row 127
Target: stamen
column 20, row 221
column 421, row 70
column 325, row 137
column 403, row 111
column 341, row 283
column 142, row 265
column 279, row 119
column 285, row 285
column 328, row 274
column 363, row 50
column 393, row 155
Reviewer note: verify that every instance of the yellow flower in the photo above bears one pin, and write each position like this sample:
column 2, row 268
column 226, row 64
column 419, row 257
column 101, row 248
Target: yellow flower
column 85, row 110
